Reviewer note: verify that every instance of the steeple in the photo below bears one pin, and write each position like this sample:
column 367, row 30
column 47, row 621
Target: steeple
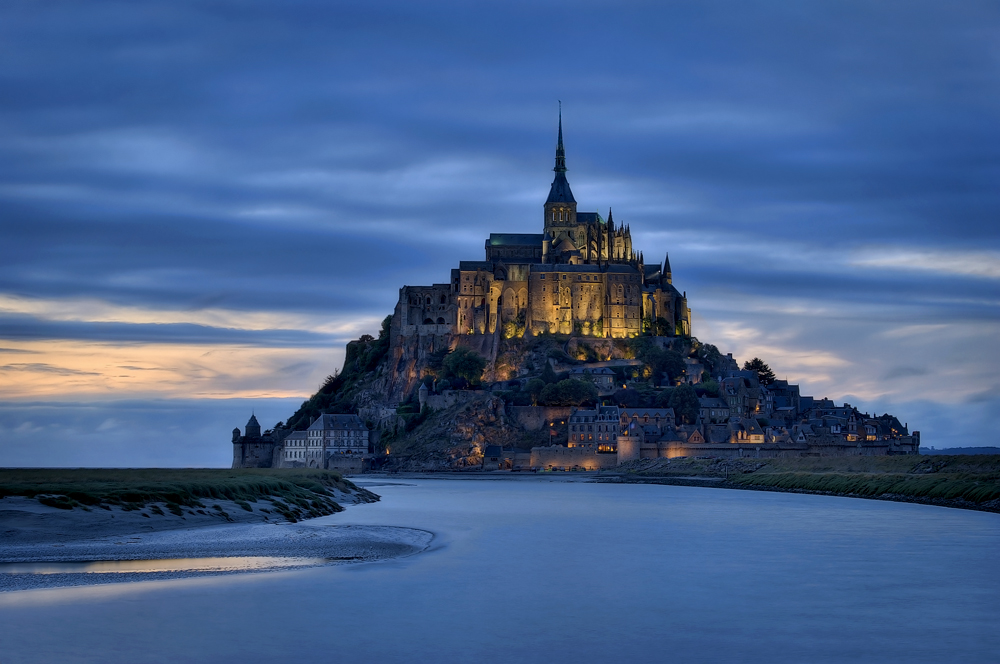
column 666, row 269
column 560, row 191
column 560, row 151
column 560, row 206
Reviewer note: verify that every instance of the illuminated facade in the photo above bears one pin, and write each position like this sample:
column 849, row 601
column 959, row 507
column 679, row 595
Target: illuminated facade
column 579, row 276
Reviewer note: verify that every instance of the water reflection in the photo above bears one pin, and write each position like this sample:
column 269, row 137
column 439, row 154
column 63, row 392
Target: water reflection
column 220, row 564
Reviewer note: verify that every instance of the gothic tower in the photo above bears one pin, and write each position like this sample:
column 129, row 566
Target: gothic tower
column 560, row 206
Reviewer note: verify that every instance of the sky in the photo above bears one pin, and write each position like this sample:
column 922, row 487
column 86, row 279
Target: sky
column 201, row 203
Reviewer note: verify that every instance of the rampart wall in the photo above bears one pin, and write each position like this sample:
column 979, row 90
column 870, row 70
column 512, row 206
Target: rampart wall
column 536, row 418
column 569, row 458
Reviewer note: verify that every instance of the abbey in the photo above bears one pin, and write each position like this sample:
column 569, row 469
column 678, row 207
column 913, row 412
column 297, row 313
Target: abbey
column 579, row 276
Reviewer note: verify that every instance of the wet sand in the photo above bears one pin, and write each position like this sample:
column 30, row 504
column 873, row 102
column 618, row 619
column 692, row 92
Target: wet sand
column 35, row 533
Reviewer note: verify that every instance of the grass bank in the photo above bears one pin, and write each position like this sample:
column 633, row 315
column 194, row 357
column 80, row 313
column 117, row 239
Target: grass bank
column 971, row 482
column 295, row 493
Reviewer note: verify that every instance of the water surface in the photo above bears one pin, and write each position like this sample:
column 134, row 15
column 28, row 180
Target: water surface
column 543, row 571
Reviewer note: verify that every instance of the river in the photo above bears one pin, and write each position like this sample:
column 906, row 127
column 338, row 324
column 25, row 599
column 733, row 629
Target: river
column 562, row 571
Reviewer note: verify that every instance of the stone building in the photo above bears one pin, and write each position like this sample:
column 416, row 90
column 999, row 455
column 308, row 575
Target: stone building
column 254, row 449
column 580, row 275
column 333, row 442
column 595, row 429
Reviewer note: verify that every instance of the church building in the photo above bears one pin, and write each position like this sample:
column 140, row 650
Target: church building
column 579, row 276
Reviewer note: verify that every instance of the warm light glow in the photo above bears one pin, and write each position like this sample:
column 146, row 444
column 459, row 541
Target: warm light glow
column 46, row 369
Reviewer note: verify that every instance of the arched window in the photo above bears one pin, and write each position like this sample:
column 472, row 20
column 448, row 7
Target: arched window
column 428, row 321
column 440, row 321
column 443, row 299
column 428, row 300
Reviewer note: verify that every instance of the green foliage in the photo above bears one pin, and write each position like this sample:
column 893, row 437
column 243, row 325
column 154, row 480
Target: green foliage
column 559, row 355
column 534, row 388
column 638, row 396
column 660, row 362
column 133, row 489
column 549, row 374
column 764, row 374
column 663, row 398
column 416, row 419
column 660, row 327
column 711, row 357
column 568, row 392
column 336, row 394
column 684, row 401
column 967, row 480
column 709, row 388
column 514, row 329
column 466, row 364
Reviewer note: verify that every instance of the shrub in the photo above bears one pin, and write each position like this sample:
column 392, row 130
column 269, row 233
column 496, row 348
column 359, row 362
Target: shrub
column 568, row 392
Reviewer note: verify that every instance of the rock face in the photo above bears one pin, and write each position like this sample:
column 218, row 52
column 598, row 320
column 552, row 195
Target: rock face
column 456, row 437
column 407, row 358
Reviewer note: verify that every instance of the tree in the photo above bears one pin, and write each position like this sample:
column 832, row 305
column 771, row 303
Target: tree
column 465, row 363
column 549, row 374
column 568, row 392
column 663, row 398
column 764, row 374
column 627, row 398
column 709, row 387
column 534, row 387
column 660, row 362
column 684, row 401
column 712, row 358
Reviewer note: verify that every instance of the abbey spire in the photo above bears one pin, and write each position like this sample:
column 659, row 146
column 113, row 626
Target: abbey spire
column 560, row 206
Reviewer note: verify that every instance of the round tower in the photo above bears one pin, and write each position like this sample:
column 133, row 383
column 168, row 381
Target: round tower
column 422, row 396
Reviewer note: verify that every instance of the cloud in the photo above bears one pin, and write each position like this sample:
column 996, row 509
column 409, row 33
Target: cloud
column 40, row 367
column 200, row 201
column 25, row 327
column 985, row 264
column 904, row 372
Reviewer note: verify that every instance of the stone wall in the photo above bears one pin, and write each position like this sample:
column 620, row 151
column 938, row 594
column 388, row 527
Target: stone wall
column 449, row 398
column 347, row 464
column 570, row 458
column 537, row 418
column 256, row 454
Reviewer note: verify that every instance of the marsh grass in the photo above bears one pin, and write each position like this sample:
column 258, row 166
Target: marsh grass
column 308, row 491
column 971, row 478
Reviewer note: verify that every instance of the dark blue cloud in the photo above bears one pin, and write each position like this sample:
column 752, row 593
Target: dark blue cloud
column 310, row 158
column 29, row 328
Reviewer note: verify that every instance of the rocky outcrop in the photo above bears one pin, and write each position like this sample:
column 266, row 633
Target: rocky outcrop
column 405, row 363
column 456, row 437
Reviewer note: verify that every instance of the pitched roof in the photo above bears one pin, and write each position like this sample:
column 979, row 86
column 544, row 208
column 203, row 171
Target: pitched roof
column 515, row 239
column 337, row 421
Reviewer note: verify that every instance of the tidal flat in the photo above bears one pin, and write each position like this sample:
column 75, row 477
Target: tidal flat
column 550, row 570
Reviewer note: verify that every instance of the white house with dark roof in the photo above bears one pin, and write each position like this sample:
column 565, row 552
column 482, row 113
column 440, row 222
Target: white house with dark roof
column 328, row 440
